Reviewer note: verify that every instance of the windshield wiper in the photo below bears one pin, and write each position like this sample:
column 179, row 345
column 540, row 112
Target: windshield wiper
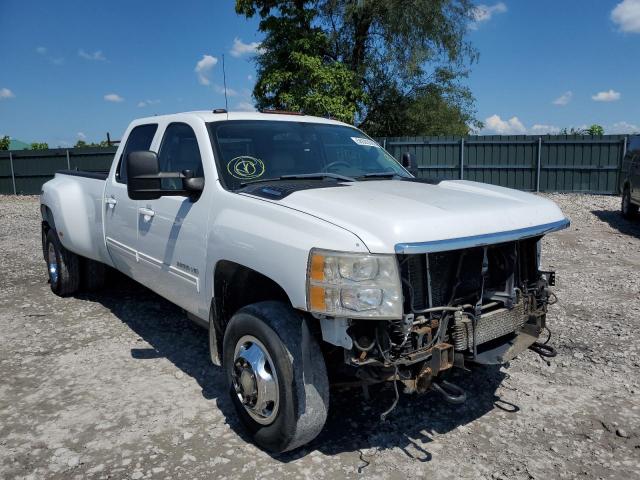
column 381, row 175
column 318, row 175
column 302, row 176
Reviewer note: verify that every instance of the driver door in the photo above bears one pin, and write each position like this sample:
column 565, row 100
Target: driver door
column 121, row 212
column 172, row 229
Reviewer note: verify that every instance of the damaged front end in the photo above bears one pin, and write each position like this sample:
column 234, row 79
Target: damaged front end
column 483, row 304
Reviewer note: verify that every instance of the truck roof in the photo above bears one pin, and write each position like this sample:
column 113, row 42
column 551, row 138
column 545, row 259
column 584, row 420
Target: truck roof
column 209, row 116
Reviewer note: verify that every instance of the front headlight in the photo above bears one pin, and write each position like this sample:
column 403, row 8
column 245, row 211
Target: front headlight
column 354, row 285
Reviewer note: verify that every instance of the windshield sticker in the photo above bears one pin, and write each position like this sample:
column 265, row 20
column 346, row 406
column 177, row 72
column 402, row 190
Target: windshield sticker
column 245, row 167
column 365, row 142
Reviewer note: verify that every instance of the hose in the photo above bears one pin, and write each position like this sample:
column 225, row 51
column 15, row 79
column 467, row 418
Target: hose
column 544, row 350
column 383, row 415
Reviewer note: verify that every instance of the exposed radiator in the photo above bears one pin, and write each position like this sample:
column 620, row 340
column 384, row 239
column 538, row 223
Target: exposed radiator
column 490, row 326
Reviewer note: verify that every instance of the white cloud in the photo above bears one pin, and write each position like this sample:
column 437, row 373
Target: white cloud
column 81, row 136
column 145, row 103
column 113, row 97
column 240, row 48
column 204, row 67
column 623, row 127
column 6, row 93
column 563, row 99
column 249, row 77
column 483, row 13
column 607, row 96
column 626, row 15
column 54, row 60
column 245, row 107
column 220, row 89
column 495, row 124
column 95, row 56
column 541, row 129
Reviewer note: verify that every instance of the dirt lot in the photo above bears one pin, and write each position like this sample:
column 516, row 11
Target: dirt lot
column 119, row 385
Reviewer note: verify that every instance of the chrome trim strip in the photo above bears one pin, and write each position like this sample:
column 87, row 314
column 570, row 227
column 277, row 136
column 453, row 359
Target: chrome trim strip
column 480, row 240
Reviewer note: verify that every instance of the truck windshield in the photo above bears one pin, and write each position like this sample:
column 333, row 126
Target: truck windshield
column 260, row 150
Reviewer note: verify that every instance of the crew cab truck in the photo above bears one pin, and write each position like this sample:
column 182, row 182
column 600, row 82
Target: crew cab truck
column 309, row 253
column 630, row 179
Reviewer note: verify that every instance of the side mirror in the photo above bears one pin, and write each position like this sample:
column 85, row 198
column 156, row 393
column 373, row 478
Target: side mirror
column 192, row 184
column 406, row 160
column 143, row 182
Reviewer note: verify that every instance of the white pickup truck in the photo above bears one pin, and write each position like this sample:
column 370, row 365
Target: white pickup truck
column 309, row 253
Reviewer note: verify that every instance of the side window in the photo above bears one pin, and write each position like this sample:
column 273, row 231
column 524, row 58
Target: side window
column 179, row 151
column 139, row 139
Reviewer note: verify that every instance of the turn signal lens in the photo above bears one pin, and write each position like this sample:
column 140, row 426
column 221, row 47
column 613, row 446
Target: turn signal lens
column 316, row 298
column 317, row 268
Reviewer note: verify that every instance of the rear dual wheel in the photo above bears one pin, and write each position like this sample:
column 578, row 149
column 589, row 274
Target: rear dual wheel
column 63, row 266
column 68, row 272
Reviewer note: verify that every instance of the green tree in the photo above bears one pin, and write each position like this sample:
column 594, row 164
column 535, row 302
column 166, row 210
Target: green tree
column 84, row 144
column 595, row 129
column 39, row 146
column 294, row 70
column 5, row 142
column 404, row 60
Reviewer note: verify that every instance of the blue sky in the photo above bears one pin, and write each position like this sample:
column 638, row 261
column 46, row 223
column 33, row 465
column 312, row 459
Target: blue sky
column 76, row 69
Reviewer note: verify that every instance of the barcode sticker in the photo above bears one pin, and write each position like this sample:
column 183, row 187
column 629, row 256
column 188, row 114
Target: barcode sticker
column 365, row 142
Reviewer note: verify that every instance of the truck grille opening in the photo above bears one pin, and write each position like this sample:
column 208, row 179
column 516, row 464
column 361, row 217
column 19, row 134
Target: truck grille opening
column 456, row 277
column 497, row 285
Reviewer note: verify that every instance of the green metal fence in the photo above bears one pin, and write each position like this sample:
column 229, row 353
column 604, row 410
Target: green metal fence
column 551, row 163
column 24, row 171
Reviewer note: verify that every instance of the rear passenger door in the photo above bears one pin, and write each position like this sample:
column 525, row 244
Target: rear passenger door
column 172, row 229
column 120, row 212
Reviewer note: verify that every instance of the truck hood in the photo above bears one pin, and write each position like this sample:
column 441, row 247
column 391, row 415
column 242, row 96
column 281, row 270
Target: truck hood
column 411, row 217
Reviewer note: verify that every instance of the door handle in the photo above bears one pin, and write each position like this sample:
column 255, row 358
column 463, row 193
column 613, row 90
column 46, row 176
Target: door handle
column 147, row 212
column 110, row 201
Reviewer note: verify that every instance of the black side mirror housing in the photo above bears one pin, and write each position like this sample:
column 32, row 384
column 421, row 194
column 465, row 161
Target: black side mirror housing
column 143, row 182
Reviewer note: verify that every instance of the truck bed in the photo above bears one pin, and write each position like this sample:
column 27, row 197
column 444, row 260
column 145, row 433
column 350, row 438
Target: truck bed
column 78, row 198
column 97, row 175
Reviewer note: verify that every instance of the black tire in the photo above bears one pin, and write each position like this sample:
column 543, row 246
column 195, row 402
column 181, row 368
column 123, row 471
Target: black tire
column 43, row 236
column 94, row 274
column 628, row 209
column 65, row 280
column 302, row 383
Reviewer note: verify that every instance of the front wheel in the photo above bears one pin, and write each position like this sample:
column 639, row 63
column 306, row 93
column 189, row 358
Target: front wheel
column 277, row 376
column 628, row 209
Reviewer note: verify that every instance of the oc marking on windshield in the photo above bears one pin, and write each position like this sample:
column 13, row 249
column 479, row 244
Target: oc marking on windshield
column 245, row 167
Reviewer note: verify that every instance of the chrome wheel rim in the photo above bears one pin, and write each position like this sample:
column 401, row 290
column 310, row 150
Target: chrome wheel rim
column 52, row 264
column 255, row 380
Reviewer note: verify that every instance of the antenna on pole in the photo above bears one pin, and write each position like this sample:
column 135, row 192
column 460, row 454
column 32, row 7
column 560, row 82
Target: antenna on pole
column 224, row 79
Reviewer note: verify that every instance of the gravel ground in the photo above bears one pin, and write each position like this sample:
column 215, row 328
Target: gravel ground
column 119, row 385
